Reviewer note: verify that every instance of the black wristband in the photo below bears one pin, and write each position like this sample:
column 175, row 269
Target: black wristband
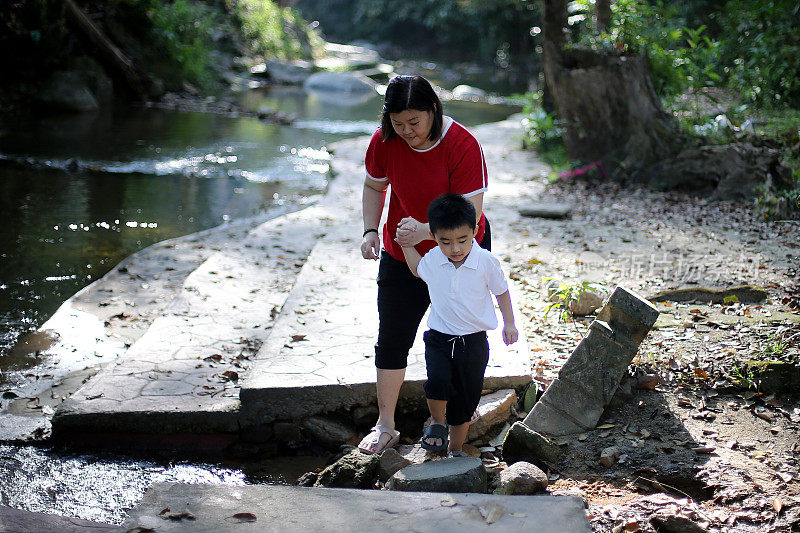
column 369, row 231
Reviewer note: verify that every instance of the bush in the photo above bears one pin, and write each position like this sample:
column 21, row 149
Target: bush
column 273, row 31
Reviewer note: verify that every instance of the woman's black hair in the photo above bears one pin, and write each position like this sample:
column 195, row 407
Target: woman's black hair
column 451, row 211
column 410, row 92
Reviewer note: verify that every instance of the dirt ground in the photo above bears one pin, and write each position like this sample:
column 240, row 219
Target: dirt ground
column 706, row 440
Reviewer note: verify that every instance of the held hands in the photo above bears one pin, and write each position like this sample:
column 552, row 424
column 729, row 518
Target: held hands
column 370, row 245
column 510, row 334
column 411, row 232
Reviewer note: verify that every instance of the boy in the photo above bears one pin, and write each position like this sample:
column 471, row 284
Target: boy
column 461, row 277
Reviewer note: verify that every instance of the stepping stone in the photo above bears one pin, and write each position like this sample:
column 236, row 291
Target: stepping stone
column 257, row 508
column 456, row 474
column 493, row 409
column 546, row 210
column 574, row 402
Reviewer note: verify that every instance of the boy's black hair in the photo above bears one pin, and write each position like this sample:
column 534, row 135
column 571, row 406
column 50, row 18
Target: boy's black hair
column 451, row 211
column 410, row 92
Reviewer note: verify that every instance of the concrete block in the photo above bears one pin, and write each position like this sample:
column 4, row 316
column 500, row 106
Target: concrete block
column 281, row 508
column 629, row 313
column 493, row 410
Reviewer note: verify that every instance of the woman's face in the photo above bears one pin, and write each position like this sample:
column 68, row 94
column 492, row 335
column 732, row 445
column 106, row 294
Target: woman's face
column 413, row 127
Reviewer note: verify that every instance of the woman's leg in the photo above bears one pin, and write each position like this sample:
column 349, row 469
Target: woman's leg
column 402, row 302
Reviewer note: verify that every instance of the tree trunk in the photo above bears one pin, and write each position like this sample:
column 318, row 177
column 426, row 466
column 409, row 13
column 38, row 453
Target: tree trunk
column 112, row 55
column 603, row 10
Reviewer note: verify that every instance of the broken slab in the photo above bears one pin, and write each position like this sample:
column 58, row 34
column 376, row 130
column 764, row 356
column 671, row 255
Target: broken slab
column 575, row 400
column 278, row 508
column 493, row 409
column 455, row 474
column 546, row 210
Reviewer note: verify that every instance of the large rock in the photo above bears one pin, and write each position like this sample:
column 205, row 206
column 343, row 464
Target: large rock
column 493, row 410
column 289, row 73
column 575, row 400
column 67, row 91
column 345, row 82
column 458, row 474
column 522, row 442
column 586, row 304
column 328, row 433
column 354, row 470
column 522, row 478
column 95, row 78
column 733, row 171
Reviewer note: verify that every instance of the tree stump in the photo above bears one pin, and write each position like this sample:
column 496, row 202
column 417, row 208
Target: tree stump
column 609, row 108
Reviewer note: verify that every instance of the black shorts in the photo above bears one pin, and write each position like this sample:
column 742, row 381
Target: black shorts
column 456, row 365
column 402, row 301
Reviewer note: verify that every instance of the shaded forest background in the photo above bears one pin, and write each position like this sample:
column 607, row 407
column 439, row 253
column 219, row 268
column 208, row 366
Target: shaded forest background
column 725, row 71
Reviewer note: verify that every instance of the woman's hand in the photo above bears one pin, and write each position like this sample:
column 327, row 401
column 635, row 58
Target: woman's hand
column 370, row 245
column 411, row 232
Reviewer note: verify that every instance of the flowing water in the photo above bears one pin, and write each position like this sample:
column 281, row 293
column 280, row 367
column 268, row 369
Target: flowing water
column 81, row 192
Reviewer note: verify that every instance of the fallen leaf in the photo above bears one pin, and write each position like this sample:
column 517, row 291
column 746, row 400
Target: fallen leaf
column 777, row 504
column 296, row 338
column 448, row 501
column 518, row 515
column 704, row 449
column 606, row 426
column 230, row 375
column 244, row 517
column 492, row 514
column 700, row 373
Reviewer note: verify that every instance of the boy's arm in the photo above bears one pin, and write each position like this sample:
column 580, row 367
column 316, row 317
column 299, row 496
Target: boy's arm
column 510, row 333
column 412, row 259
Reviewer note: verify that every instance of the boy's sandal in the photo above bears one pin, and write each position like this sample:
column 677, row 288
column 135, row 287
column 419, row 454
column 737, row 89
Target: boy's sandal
column 434, row 431
column 371, row 443
column 457, row 453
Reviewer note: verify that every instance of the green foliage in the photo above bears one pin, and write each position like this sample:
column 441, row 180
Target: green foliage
column 762, row 50
column 542, row 131
column 185, row 30
column 476, row 30
column 566, row 293
column 274, row 31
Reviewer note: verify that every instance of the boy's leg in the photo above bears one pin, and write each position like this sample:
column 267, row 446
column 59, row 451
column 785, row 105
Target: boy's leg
column 437, row 387
column 458, row 434
column 469, row 364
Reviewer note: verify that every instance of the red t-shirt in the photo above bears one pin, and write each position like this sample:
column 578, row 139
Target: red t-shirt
column 454, row 164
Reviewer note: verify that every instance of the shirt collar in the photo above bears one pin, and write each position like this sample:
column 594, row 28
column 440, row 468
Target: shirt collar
column 472, row 258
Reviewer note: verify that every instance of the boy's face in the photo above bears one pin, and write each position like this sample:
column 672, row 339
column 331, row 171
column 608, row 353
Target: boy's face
column 456, row 243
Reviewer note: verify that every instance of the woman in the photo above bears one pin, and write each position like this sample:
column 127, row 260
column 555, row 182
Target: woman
column 421, row 153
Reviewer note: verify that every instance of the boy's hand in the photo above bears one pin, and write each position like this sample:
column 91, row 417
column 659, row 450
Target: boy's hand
column 411, row 232
column 510, row 334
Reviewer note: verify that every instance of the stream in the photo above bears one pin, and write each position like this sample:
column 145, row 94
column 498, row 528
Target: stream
column 82, row 192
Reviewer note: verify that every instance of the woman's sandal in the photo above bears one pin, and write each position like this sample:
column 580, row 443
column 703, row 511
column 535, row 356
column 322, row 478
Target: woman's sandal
column 434, row 431
column 371, row 443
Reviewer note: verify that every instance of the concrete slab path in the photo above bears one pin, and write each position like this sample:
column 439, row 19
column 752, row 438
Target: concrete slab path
column 258, row 508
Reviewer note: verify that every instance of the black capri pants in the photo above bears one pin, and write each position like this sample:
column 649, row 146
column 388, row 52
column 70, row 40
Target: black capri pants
column 402, row 301
column 455, row 365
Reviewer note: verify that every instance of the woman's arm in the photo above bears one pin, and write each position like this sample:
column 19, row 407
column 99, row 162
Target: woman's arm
column 411, row 231
column 372, row 207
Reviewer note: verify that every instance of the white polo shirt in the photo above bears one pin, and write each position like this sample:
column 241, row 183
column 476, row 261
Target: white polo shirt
column 461, row 298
